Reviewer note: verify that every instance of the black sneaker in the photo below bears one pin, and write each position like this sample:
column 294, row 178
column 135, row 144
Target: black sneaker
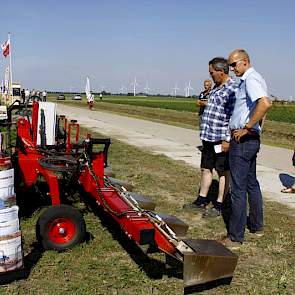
column 199, row 203
column 201, row 206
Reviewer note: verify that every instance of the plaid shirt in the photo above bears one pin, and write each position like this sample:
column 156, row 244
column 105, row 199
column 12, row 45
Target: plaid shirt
column 217, row 113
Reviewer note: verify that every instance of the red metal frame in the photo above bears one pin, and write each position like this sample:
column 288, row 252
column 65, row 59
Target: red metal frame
column 35, row 122
column 72, row 126
column 141, row 226
column 134, row 223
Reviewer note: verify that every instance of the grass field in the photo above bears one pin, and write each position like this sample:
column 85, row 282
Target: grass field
column 109, row 264
column 278, row 113
column 280, row 131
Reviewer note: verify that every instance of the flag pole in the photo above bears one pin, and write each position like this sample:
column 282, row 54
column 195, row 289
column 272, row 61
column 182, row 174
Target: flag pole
column 10, row 68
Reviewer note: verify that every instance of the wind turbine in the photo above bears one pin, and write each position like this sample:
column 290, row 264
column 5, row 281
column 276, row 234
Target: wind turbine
column 102, row 88
column 123, row 89
column 175, row 90
column 187, row 89
column 146, row 88
column 134, row 83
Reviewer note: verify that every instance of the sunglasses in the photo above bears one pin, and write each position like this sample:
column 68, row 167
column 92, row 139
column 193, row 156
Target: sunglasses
column 234, row 64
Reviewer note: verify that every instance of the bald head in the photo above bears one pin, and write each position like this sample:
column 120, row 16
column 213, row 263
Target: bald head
column 239, row 54
column 239, row 61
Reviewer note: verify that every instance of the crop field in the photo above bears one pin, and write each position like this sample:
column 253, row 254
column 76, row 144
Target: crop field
column 278, row 113
column 181, row 104
column 279, row 128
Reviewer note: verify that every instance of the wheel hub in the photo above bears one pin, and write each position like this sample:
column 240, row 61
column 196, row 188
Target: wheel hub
column 61, row 230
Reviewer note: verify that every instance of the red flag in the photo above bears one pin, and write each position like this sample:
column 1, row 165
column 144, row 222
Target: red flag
column 5, row 48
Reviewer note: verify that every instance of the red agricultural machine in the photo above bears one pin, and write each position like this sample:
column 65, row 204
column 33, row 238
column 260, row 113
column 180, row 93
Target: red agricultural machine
column 48, row 147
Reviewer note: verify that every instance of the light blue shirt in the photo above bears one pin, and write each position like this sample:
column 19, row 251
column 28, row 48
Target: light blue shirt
column 252, row 87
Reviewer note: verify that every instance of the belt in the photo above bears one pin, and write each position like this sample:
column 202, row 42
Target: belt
column 250, row 134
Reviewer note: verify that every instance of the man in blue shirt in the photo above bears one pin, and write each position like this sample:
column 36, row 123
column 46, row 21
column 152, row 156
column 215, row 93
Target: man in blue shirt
column 249, row 112
column 215, row 137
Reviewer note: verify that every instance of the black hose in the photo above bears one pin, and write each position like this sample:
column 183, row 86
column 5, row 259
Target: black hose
column 60, row 164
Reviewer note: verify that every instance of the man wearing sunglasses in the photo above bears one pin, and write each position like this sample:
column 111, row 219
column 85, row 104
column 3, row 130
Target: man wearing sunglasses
column 249, row 112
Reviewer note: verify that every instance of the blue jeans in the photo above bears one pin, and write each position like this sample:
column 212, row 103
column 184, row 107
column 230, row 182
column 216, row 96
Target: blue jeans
column 242, row 162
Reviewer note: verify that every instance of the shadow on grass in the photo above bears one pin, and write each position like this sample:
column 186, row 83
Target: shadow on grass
column 29, row 261
column 36, row 197
column 29, row 201
column 207, row 286
column 154, row 268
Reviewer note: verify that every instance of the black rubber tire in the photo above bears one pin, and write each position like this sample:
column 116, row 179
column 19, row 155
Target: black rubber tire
column 53, row 215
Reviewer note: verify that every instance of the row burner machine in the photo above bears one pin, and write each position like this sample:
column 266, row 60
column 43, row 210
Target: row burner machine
column 49, row 145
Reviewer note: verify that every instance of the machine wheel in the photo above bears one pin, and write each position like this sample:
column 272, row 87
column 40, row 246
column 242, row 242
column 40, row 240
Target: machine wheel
column 60, row 227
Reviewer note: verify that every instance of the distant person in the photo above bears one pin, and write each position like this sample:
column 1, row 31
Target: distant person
column 100, row 96
column 23, row 96
column 44, row 95
column 215, row 137
column 291, row 189
column 27, row 95
column 90, row 100
column 203, row 98
column 251, row 106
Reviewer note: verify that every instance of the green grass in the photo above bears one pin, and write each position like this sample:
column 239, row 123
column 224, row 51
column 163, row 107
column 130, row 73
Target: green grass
column 275, row 133
column 109, row 264
column 278, row 113
column 183, row 105
column 284, row 114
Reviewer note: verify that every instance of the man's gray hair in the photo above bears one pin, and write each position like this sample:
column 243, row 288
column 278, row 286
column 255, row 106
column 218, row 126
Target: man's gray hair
column 219, row 64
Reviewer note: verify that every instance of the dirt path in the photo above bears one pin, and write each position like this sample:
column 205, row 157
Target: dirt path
column 274, row 167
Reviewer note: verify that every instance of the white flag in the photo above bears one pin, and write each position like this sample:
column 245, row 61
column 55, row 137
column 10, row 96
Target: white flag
column 6, row 80
column 87, row 89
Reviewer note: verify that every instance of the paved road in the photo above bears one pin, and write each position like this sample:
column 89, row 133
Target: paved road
column 274, row 164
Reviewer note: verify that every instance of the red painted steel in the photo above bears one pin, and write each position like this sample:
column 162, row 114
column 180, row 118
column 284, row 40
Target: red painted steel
column 35, row 121
column 134, row 223
column 61, row 231
column 71, row 127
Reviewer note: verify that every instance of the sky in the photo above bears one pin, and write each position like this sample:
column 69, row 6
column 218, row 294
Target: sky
column 56, row 44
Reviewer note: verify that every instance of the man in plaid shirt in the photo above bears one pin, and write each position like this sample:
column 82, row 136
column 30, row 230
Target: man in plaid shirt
column 215, row 137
